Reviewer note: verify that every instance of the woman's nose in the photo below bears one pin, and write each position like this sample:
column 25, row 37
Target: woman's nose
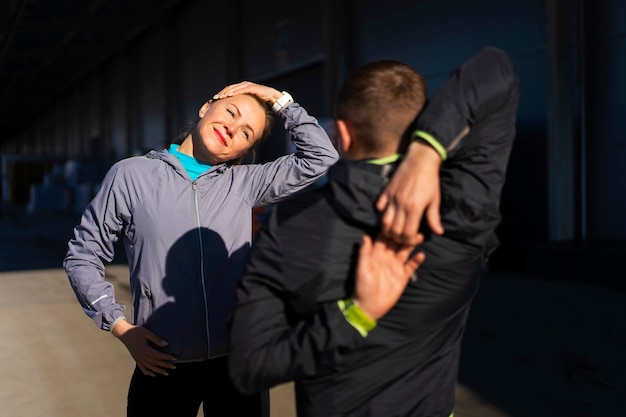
column 229, row 131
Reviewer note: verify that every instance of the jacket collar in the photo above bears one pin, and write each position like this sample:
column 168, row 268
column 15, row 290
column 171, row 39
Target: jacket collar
column 171, row 160
column 354, row 186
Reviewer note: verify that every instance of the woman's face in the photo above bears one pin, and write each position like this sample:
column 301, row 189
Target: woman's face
column 228, row 128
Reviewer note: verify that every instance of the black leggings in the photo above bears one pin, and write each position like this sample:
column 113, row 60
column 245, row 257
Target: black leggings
column 181, row 392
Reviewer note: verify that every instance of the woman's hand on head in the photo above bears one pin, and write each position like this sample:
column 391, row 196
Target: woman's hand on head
column 264, row 92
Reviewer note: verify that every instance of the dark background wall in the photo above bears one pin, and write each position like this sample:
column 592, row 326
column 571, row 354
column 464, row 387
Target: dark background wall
column 564, row 200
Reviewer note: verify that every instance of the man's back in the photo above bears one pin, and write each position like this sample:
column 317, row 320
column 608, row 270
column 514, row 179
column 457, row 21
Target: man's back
column 309, row 248
column 287, row 324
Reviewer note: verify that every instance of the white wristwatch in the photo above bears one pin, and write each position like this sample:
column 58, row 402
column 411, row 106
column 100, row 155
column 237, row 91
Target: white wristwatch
column 282, row 102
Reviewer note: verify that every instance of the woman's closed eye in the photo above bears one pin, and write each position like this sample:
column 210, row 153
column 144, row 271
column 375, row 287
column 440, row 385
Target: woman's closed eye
column 244, row 131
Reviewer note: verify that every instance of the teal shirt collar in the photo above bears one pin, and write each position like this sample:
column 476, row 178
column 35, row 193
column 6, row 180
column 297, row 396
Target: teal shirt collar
column 193, row 167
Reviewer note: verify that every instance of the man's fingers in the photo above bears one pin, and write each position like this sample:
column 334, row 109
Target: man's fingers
column 385, row 246
column 410, row 262
column 382, row 202
column 416, row 260
column 411, row 225
column 366, row 245
column 403, row 226
column 404, row 252
column 398, row 226
column 433, row 218
column 388, row 219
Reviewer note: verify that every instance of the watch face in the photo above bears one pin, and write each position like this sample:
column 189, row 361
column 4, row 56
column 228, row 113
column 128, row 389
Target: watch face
column 284, row 99
column 282, row 102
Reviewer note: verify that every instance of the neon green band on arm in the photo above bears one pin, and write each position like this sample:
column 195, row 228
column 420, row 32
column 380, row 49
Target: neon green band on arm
column 356, row 317
column 432, row 141
column 386, row 160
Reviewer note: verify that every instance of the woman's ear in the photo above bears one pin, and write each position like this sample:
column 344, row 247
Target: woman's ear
column 345, row 138
column 204, row 108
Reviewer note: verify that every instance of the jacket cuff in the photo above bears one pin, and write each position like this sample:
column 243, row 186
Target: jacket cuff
column 356, row 317
column 120, row 318
column 432, row 141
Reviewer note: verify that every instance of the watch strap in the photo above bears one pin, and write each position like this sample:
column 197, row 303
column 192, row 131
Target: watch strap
column 284, row 100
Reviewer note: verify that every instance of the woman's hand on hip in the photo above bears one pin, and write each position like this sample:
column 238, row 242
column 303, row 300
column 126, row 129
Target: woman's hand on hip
column 139, row 341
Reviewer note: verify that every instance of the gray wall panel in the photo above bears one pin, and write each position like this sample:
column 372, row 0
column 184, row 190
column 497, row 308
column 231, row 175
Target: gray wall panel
column 151, row 91
column 159, row 81
column 606, row 125
column 436, row 36
column 118, row 119
column 200, row 32
column 278, row 35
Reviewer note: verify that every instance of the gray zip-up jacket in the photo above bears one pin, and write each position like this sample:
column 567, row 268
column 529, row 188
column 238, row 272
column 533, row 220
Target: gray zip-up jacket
column 186, row 241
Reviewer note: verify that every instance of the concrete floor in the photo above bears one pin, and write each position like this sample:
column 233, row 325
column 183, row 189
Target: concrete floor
column 533, row 347
column 55, row 361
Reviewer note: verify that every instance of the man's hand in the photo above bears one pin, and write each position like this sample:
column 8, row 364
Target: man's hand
column 383, row 271
column 412, row 192
column 138, row 341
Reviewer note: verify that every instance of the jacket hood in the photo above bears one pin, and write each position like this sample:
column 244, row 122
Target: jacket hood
column 168, row 158
column 353, row 188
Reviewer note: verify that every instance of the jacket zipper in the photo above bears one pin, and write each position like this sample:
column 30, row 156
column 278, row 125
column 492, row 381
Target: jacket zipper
column 194, row 186
column 148, row 294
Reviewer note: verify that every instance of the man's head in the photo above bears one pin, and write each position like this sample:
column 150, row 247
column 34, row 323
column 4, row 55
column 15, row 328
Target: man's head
column 375, row 106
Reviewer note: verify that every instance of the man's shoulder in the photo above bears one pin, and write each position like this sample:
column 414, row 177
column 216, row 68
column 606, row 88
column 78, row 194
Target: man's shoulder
column 302, row 219
column 303, row 203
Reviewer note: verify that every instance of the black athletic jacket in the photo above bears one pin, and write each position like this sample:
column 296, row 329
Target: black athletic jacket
column 287, row 326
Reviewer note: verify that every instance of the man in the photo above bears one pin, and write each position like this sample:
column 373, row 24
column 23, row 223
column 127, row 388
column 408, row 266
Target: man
column 311, row 310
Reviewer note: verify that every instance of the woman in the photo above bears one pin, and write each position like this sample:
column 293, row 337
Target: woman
column 184, row 217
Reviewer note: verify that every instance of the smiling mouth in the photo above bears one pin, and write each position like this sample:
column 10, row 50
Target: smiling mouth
column 220, row 138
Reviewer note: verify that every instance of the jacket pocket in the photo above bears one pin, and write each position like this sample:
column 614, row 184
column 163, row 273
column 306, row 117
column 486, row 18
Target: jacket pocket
column 146, row 307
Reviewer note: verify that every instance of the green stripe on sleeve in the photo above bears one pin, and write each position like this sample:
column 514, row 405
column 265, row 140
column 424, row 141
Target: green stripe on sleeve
column 386, row 160
column 432, row 141
column 356, row 317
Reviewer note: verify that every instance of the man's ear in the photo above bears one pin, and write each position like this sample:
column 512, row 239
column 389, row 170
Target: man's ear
column 204, row 108
column 345, row 138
